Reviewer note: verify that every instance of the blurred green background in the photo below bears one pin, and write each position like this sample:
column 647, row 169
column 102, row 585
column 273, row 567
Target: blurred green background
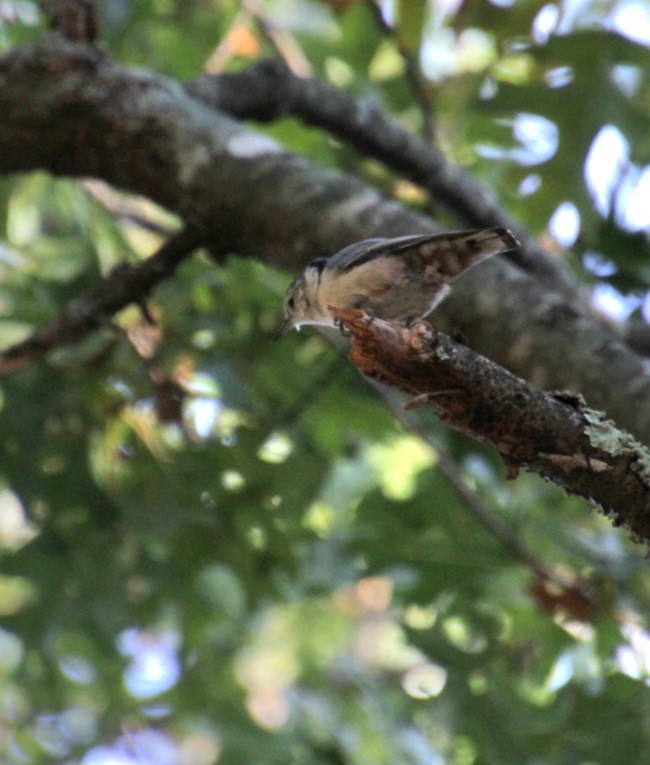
column 215, row 549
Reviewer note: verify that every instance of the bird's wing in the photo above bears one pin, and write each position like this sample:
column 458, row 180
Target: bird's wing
column 469, row 247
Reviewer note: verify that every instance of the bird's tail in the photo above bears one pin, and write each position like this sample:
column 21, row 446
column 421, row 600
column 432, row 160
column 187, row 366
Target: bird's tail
column 453, row 252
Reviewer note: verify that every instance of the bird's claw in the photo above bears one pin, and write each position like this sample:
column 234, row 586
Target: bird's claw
column 341, row 328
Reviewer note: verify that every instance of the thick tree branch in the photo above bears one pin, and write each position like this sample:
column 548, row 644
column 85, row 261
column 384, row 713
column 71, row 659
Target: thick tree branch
column 554, row 435
column 269, row 90
column 68, row 109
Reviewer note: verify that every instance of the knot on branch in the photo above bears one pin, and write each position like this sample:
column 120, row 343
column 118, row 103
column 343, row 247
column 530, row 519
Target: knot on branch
column 422, row 337
column 398, row 355
column 73, row 19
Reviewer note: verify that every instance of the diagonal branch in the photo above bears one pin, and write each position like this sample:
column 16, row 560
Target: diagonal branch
column 553, row 435
column 269, row 90
column 70, row 110
column 126, row 284
column 570, row 585
column 412, row 67
column 241, row 191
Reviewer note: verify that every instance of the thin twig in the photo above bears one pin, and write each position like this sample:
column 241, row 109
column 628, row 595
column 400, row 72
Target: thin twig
column 223, row 51
column 413, row 72
column 283, row 42
column 124, row 209
column 279, row 39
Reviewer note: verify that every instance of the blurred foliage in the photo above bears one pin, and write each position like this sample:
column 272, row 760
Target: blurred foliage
column 218, row 549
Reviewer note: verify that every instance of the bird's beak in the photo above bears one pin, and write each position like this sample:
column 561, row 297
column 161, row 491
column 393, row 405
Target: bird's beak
column 282, row 330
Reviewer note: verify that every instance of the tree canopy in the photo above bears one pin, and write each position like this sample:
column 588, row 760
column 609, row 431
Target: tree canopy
column 219, row 549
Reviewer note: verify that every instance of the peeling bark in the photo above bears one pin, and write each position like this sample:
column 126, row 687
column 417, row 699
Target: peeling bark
column 554, row 435
column 68, row 109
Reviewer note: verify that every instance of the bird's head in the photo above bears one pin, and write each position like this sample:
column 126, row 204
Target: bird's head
column 300, row 300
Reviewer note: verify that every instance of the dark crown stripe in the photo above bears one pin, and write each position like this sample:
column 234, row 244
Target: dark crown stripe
column 319, row 266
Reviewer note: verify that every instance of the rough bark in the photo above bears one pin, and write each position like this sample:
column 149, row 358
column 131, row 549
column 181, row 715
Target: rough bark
column 269, row 90
column 554, row 435
column 69, row 109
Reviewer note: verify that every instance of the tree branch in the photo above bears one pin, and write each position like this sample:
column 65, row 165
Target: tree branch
column 553, row 435
column 126, row 284
column 412, row 69
column 578, row 590
column 269, row 90
column 76, row 20
column 68, row 109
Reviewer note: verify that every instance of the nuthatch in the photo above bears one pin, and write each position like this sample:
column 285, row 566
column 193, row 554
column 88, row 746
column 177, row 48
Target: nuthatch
column 401, row 279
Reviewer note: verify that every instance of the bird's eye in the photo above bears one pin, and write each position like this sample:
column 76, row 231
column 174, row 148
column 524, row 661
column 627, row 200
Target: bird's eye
column 291, row 303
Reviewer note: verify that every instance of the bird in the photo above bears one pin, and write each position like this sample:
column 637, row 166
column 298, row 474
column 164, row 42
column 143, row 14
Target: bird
column 401, row 279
